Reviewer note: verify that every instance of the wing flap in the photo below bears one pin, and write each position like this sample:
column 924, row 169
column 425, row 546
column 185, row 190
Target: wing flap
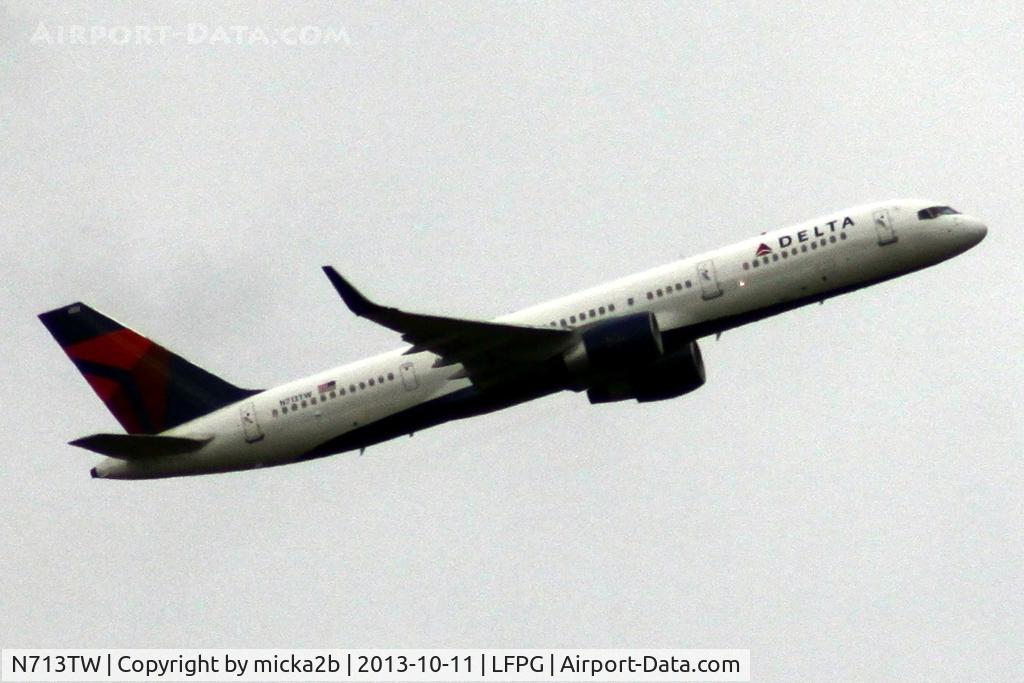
column 140, row 446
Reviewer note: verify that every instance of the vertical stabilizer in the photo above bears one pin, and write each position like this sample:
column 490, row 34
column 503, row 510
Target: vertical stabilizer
column 148, row 388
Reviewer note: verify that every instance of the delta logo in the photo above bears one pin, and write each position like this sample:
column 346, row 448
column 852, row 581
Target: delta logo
column 807, row 235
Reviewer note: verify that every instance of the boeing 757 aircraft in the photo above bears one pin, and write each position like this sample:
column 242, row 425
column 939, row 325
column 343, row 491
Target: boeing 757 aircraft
column 634, row 338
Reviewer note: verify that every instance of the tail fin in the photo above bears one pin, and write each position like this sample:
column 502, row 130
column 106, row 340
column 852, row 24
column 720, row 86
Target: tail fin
column 146, row 387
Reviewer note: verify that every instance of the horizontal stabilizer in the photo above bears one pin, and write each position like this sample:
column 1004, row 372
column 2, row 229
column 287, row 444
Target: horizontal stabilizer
column 140, row 446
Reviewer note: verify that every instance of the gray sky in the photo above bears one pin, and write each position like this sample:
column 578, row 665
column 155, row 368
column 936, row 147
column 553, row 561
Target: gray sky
column 843, row 497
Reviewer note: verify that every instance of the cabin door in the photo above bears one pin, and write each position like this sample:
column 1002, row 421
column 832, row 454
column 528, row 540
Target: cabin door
column 250, row 425
column 709, row 288
column 408, row 373
column 883, row 226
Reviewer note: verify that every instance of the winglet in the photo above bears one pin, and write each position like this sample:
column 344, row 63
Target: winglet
column 356, row 302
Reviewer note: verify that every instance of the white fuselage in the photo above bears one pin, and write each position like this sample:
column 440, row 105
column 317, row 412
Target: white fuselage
column 703, row 294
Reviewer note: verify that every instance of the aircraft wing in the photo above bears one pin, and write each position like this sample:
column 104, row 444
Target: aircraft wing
column 486, row 350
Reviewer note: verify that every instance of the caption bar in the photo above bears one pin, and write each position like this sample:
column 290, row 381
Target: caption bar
column 375, row 665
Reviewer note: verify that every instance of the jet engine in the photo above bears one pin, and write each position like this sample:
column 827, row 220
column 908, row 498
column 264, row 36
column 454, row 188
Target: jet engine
column 613, row 347
column 667, row 377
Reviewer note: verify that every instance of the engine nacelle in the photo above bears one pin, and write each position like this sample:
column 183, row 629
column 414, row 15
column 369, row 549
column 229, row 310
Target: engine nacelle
column 617, row 346
column 668, row 377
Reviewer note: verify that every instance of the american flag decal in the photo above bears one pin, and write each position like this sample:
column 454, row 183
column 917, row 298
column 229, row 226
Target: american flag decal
column 324, row 388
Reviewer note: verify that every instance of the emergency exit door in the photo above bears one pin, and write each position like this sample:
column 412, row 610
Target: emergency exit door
column 709, row 287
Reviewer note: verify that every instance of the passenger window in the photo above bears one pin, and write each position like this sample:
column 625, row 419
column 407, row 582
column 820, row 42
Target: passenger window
column 629, row 301
column 659, row 292
column 563, row 322
column 391, row 377
column 689, row 284
column 793, row 251
column 679, row 287
column 756, row 263
column 362, row 385
column 572, row 318
column 785, row 254
column 323, row 398
column 371, row 382
column 601, row 310
column 746, row 266
column 775, row 257
column 814, row 245
column 650, row 295
column 352, row 388
column 824, row 242
column 274, row 412
column 842, row 235
column 803, row 248
column 593, row 313
column 832, row 239
column 611, row 308
column 303, row 404
column 294, row 407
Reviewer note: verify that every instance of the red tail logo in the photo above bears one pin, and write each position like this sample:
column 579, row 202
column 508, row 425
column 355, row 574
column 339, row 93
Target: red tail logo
column 146, row 387
column 763, row 250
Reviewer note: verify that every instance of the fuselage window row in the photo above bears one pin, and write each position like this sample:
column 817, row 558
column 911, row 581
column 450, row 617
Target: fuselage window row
column 584, row 315
column 333, row 394
column 610, row 308
column 765, row 260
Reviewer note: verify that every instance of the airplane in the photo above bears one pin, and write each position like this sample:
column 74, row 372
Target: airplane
column 635, row 338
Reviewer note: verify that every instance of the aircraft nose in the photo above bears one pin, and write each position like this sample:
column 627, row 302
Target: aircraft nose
column 974, row 229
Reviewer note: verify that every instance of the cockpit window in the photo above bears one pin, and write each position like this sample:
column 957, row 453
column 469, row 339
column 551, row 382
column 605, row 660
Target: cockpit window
column 935, row 212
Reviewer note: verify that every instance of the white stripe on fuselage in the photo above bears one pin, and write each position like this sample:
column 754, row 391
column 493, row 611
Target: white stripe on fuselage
column 851, row 254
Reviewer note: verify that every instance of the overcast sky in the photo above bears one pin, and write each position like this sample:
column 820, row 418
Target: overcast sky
column 843, row 497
